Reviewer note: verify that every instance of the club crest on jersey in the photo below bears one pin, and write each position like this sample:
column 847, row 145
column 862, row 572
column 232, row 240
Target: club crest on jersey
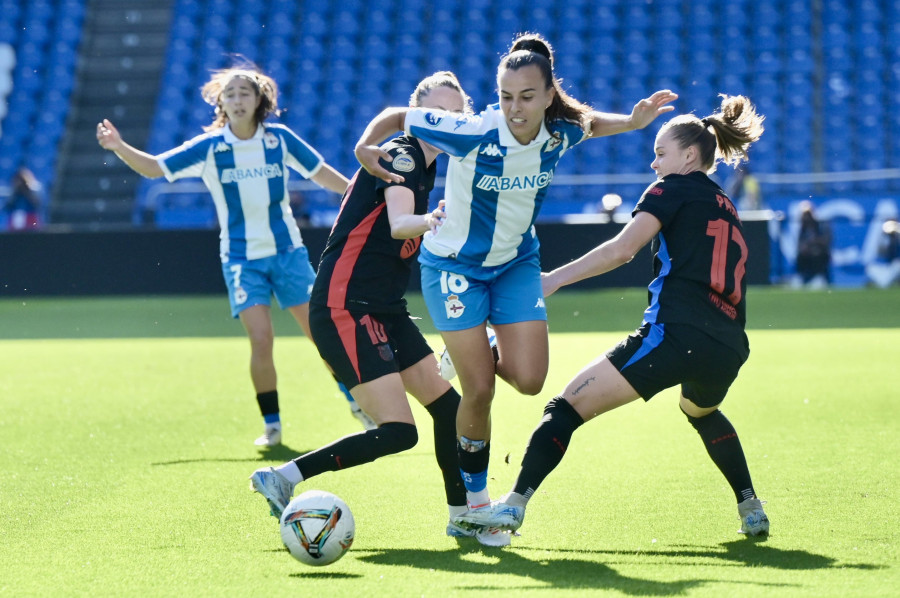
column 270, row 140
column 403, row 163
column 454, row 306
column 553, row 143
column 433, row 119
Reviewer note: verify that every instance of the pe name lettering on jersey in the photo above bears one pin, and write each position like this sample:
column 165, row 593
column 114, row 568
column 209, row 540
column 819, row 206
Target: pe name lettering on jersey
column 234, row 175
column 507, row 183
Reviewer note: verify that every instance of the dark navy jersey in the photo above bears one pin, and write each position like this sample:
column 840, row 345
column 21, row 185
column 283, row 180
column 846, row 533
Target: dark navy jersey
column 362, row 267
column 699, row 258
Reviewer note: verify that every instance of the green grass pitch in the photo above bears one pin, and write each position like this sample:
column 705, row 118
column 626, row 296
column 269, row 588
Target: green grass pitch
column 126, row 433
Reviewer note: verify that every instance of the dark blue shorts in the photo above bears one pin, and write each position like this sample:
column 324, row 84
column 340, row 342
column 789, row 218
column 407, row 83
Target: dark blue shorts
column 660, row 356
column 361, row 346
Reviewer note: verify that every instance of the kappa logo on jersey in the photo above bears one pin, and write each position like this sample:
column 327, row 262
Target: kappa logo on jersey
column 234, row 175
column 271, row 140
column 433, row 119
column 540, row 302
column 492, row 150
column 221, row 147
column 454, row 306
column 403, row 162
column 510, row 183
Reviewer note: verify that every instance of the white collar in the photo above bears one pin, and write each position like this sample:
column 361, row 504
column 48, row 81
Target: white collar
column 232, row 138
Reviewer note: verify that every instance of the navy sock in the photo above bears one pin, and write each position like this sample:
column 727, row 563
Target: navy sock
column 356, row 449
column 548, row 445
column 443, row 416
column 268, row 405
column 724, row 447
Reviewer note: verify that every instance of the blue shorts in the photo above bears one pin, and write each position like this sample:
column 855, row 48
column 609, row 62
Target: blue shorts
column 460, row 296
column 288, row 275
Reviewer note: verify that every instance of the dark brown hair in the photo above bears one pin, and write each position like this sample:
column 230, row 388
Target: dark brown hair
column 262, row 84
column 532, row 48
column 724, row 135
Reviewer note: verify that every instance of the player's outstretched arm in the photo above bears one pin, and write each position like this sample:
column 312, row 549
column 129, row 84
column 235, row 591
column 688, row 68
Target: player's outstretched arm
column 141, row 162
column 643, row 113
column 331, row 179
column 619, row 250
column 389, row 121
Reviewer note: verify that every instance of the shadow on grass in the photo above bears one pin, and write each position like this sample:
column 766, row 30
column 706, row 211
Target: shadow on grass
column 278, row 454
column 752, row 552
column 565, row 572
column 575, row 569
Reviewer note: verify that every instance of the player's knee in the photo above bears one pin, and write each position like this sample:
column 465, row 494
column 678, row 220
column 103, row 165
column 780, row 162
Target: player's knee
column 397, row 436
column 529, row 383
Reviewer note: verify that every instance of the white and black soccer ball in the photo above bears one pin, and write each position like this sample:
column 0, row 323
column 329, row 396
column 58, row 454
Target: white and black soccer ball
column 317, row 528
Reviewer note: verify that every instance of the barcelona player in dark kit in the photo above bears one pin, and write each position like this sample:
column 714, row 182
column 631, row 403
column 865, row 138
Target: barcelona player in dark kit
column 693, row 330
column 360, row 324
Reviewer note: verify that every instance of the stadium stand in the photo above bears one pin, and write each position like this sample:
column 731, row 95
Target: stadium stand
column 825, row 73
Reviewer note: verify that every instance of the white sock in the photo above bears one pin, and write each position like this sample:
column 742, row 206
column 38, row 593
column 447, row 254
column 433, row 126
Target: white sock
column 456, row 510
column 291, row 472
column 478, row 498
column 514, row 499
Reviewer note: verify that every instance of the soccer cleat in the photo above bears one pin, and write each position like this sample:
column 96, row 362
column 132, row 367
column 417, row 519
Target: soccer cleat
column 271, row 437
column 497, row 514
column 491, row 536
column 445, row 365
column 457, row 531
column 753, row 519
column 363, row 417
column 274, row 487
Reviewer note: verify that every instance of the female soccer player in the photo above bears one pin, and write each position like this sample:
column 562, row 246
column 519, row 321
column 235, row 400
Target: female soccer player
column 361, row 326
column 693, row 330
column 483, row 263
column 244, row 163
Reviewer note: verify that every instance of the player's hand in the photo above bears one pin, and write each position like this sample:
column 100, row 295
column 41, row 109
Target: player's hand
column 646, row 111
column 549, row 284
column 108, row 136
column 436, row 218
column 369, row 156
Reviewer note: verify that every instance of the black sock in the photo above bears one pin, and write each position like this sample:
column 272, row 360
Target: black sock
column 443, row 415
column 724, row 447
column 548, row 445
column 268, row 405
column 356, row 449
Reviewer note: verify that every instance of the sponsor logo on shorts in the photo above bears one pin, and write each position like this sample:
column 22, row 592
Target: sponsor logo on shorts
column 540, row 303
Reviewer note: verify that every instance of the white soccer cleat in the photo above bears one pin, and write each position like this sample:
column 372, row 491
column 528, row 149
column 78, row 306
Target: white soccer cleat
column 445, row 364
column 271, row 437
column 458, row 531
column 274, row 487
column 491, row 536
column 367, row 422
column 753, row 519
column 497, row 514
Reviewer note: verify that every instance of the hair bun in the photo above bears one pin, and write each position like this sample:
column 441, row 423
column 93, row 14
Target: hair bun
column 533, row 43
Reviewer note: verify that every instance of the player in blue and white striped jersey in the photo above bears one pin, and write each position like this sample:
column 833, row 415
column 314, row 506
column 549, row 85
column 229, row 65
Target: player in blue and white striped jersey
column 483, row 263
column 244, row 163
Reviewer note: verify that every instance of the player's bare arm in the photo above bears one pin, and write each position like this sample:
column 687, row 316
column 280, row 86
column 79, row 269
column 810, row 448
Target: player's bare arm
column 643, row 113
column 141, row 162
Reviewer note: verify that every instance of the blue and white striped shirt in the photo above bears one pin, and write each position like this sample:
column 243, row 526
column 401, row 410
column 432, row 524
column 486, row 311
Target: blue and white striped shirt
column 495, row 185
column 247, row 179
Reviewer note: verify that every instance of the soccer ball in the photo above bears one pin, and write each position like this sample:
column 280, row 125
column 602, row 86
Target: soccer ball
column 317, row 528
